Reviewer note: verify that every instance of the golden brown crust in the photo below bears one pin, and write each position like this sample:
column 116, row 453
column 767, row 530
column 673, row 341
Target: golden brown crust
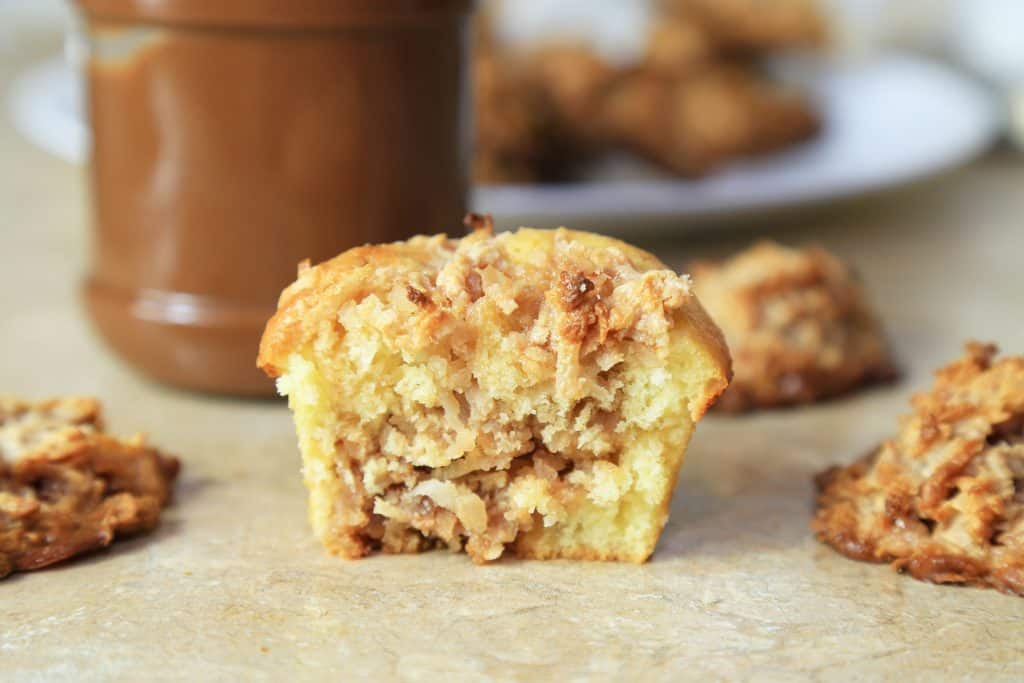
column 798, row 324
column 713, row 339
column 315, row 295
column 69, row 488
column 944, row 499
column 304, row 303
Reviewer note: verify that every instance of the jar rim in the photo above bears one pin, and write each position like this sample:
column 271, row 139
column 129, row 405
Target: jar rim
column 280, row 14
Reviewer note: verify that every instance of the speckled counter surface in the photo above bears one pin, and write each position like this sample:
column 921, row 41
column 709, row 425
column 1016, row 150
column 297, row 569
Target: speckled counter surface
column 233, row 587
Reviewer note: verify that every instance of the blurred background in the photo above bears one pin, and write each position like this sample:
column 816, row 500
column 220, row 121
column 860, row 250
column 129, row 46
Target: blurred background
column 689, row 126
column 825, row 86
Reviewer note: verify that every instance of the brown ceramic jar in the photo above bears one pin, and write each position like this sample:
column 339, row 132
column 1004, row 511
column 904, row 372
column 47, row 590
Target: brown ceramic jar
column 234, row 138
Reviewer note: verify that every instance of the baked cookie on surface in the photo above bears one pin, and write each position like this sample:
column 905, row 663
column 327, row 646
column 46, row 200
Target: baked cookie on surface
column 944, row 499
column 531, row 391
column 66, row 487
column 798, row 325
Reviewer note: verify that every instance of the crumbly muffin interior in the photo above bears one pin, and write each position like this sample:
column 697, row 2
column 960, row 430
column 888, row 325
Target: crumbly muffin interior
column 505, row 392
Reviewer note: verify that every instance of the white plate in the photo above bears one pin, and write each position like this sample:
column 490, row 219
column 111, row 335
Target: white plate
column 887, row 122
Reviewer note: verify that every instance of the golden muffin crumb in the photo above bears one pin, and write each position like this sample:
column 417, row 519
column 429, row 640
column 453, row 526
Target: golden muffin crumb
column 532, row 391
column 798, row 325
column 66, row 487
column 944, row 499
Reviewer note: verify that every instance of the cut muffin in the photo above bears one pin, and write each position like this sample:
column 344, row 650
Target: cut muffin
column 944, row 499
column 533, row 391
column 67, row 488
column 798, row 324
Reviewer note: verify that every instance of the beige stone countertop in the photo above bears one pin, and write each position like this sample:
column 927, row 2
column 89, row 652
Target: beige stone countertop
column 232, row 586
